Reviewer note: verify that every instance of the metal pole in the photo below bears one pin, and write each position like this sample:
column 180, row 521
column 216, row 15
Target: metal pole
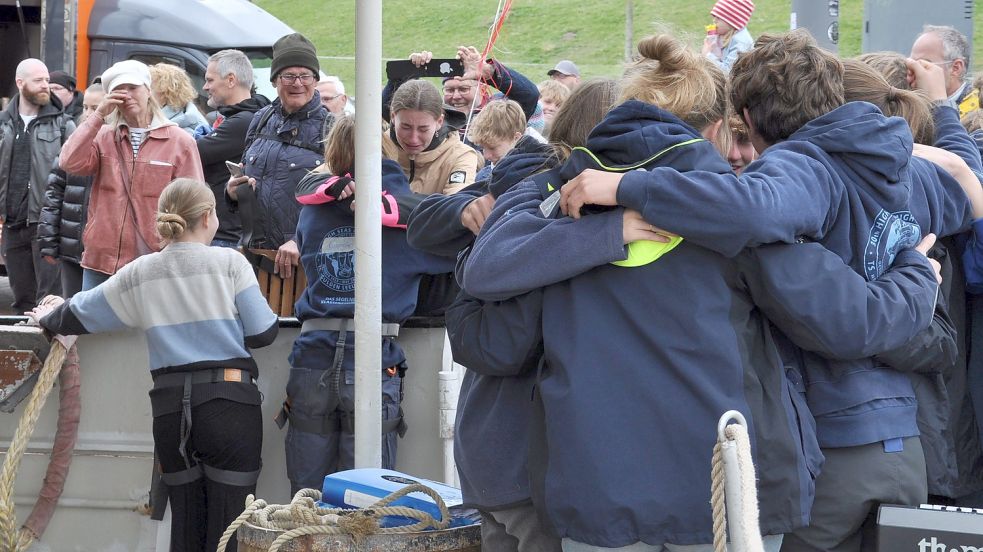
column 368, row 235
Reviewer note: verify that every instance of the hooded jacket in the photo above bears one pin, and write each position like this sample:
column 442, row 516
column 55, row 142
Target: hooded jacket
column 227, row 143
column 846, row 179
column 326, row 239
column 123, row 203
column 188, row 117
column 646, row 493
column 278, row 155
column 500, row 344
column 48, row 131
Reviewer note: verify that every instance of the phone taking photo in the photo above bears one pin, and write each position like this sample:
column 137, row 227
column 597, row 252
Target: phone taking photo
column 404, row 69
column 234, row 169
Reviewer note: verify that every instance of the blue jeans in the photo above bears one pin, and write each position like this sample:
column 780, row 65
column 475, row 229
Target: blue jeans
column 92, row 278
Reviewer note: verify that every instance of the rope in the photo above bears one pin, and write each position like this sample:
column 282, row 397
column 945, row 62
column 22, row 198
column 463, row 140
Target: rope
column 10, row 538
column 736, row 436
column 748, row 516
column 303, row 517
column 718, row 499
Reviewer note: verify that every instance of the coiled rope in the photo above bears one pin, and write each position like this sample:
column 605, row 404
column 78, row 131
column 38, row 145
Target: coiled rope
column 303, row 517
column 12, row 539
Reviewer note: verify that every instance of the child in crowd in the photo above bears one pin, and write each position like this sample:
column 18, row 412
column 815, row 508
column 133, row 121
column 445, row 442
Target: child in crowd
column 552, row 94
column 320, row 390
column 201, row 310
column 731, row 37
column 496, row 130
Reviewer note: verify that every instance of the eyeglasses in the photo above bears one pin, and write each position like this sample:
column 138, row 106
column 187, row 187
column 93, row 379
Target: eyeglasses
column 331, row 98
column 462, row 90
column 288, row 78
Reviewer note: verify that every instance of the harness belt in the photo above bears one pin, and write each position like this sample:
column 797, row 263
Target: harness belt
column 187, row 380
column 336, row 325
column 213, row 375
column 196, row 472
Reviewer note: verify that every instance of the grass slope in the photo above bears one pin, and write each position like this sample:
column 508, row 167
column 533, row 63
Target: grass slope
column 538, row 33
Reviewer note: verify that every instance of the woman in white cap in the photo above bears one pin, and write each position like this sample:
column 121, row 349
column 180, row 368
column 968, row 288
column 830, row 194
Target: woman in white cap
column 133, row 157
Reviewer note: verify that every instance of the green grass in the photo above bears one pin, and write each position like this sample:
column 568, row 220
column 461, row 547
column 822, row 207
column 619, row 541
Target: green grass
column 538, row 33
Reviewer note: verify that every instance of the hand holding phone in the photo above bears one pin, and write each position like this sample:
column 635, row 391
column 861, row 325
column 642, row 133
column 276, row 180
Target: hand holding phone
column 406, row 69
column 234, row 169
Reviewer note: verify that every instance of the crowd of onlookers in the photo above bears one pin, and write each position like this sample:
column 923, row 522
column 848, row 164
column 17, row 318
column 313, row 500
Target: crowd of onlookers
column 759, row 226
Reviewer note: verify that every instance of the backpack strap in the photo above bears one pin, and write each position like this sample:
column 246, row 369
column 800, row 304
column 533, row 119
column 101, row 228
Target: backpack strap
column 263, row 119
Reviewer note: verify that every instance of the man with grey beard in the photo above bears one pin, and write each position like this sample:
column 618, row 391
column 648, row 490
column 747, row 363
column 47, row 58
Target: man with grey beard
column 32, row 129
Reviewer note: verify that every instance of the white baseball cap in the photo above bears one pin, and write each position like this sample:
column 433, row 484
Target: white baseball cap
column 129, row 71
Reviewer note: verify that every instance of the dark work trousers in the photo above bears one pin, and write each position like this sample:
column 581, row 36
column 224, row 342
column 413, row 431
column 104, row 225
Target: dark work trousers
column 226, row 435
column 71, row 278
column 311, row 456
column 853, row 483
column 31, row 277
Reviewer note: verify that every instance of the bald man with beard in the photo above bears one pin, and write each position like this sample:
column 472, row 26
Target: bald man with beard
column 32, row 129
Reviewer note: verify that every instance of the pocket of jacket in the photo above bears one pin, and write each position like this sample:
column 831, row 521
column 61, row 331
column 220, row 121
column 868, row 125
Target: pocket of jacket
column 152, row 177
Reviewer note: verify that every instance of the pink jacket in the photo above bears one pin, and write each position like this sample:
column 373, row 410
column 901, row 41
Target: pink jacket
column 123, row 205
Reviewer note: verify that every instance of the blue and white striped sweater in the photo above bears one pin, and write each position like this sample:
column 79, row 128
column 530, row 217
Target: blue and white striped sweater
column 197, row 304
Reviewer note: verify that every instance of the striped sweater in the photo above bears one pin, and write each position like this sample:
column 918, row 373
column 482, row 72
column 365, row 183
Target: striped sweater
column 199, row 306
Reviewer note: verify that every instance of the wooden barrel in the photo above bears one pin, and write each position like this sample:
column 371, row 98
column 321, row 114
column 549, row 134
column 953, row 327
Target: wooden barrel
column 460, row 539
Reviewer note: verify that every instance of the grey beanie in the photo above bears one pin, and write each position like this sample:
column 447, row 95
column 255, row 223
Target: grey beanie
column 293, row 50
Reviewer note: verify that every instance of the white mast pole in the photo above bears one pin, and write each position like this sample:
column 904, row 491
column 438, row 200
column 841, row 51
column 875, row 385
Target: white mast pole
column 368, row 234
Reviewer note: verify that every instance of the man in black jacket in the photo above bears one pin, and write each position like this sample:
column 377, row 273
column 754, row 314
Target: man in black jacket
column 228, row 83
column 33, row 128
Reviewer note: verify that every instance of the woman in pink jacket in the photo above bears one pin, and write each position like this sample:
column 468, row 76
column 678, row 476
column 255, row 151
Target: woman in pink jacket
column 133, row 156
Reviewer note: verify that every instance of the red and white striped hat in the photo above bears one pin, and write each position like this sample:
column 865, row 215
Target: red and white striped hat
column 735, row 12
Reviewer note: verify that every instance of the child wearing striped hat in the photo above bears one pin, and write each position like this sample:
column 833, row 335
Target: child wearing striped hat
column 732, row 37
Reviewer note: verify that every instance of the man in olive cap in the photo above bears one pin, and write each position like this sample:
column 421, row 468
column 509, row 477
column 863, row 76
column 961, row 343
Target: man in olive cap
column 283, row 144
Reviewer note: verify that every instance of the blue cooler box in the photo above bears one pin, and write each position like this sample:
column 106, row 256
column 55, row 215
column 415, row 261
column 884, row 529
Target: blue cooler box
column 361, row 488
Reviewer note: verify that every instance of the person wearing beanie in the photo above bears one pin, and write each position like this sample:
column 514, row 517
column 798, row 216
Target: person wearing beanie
column 284, row 142
column 730, row 37
column 62, row 85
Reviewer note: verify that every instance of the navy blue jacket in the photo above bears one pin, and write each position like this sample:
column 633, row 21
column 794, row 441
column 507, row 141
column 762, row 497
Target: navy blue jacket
column 846, row 179
column 500, row 344
column 279, row 164
column 326, row 239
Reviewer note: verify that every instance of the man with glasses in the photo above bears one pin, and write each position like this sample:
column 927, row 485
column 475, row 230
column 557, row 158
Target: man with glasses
column 283, row 144
column 333, row 96
column 949, row 49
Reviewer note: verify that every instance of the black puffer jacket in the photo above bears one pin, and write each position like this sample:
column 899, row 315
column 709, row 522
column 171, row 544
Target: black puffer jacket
column 63, row 215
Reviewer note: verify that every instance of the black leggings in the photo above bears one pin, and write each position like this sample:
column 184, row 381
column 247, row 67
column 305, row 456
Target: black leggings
column 226, row 435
